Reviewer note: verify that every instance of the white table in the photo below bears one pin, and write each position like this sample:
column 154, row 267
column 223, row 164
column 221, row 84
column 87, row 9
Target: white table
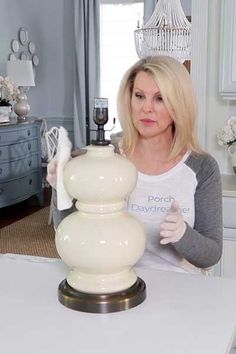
column 182, row 314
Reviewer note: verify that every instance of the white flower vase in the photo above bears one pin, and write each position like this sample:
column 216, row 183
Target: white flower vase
column 5, row 114
column 232, row 154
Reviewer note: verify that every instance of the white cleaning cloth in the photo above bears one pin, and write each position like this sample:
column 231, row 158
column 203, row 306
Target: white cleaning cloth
column 63, row 155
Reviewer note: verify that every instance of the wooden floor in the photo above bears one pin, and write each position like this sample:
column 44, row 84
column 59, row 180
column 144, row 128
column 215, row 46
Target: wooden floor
column 15, row 212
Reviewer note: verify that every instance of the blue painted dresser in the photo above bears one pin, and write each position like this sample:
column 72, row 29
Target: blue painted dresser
column 20, row 162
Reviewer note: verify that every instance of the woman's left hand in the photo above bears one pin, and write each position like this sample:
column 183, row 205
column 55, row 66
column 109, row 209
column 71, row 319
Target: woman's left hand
column 173, row 227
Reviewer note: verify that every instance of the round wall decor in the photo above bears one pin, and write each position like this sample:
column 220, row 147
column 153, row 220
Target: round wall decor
column 31, row 47
column 15, row 45
column 23, row 35
column 35, row 60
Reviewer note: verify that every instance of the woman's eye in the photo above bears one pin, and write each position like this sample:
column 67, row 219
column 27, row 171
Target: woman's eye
column 138, row 95
column 159, row 98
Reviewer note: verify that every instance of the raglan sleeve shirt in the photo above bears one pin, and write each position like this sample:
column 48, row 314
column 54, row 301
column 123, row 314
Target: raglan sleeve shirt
column 202, row 244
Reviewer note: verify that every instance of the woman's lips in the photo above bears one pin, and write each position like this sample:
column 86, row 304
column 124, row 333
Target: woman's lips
column 147, row 121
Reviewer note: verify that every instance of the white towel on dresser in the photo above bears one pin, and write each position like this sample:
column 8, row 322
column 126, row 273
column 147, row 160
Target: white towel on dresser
column 63, row 155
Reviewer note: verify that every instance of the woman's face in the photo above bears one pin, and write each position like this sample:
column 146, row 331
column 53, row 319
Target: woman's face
column 149, row 114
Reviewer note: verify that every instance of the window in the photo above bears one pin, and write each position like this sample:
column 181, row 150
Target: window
column 118, row 20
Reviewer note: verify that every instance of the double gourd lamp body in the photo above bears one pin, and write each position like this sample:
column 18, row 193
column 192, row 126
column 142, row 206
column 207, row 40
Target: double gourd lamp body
column 101, row 241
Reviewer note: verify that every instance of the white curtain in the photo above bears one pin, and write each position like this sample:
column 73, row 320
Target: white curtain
column 87, row 66
column 149, row 6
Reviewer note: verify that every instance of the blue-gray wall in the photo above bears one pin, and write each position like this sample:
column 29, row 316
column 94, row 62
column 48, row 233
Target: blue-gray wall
column 50, row 27
column 186, row 5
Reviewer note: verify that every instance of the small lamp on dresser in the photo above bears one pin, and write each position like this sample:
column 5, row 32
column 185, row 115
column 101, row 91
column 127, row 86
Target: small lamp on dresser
column 21, row 73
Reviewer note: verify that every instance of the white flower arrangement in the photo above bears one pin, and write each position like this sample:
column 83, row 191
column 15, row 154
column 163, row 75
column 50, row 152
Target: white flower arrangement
column 8, row 91
column 227, row 134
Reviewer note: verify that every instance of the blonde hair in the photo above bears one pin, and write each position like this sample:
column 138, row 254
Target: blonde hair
column 174, row 83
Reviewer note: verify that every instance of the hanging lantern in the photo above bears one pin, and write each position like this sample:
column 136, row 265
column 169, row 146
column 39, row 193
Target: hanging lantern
column 167, row 32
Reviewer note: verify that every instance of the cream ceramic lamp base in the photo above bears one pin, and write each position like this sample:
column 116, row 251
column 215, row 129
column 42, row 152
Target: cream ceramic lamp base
column 101, row 248
column 100, row 242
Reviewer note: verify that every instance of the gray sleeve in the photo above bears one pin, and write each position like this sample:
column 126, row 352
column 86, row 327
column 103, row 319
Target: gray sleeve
column 202, row 244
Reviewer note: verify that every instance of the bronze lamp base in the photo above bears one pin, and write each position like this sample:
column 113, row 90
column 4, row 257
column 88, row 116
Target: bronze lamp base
column 102, row 303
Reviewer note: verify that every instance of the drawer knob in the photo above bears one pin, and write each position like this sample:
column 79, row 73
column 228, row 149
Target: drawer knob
column 30, row 181
column 29, row 163
column 1, row 170
column 1, row 191
column 28, row 132
column 0, row 152
column 29, row 146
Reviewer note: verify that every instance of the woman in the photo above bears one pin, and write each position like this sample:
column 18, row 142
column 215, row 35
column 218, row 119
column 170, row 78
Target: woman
column 178, row 195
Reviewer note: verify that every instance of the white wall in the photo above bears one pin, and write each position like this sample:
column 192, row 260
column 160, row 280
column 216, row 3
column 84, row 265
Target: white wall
column 218, row 109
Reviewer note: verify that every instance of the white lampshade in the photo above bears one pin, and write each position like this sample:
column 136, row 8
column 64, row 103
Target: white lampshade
column 21, row 72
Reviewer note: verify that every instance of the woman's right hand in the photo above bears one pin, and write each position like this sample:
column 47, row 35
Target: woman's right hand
column 52, row 173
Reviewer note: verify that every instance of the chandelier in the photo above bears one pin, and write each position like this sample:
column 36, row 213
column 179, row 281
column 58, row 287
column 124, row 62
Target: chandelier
column 167, row 32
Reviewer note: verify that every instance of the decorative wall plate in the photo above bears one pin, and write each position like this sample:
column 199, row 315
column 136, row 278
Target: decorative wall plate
column 23, row 35
column 12, row 57
column 35, row 60
column 31, row 47
column 15, row 46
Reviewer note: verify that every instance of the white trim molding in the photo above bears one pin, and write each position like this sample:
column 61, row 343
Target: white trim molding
column 227, row 74
column 199, row 20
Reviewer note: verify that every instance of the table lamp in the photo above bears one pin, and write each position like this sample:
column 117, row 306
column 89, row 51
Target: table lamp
column 21, row 73
column 100, row 241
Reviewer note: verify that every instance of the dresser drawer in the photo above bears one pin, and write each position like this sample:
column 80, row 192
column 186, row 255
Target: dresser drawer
column 15, row 151
column 17, row 134
column 19, row 167
column 20, row 162
column 19, row 189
